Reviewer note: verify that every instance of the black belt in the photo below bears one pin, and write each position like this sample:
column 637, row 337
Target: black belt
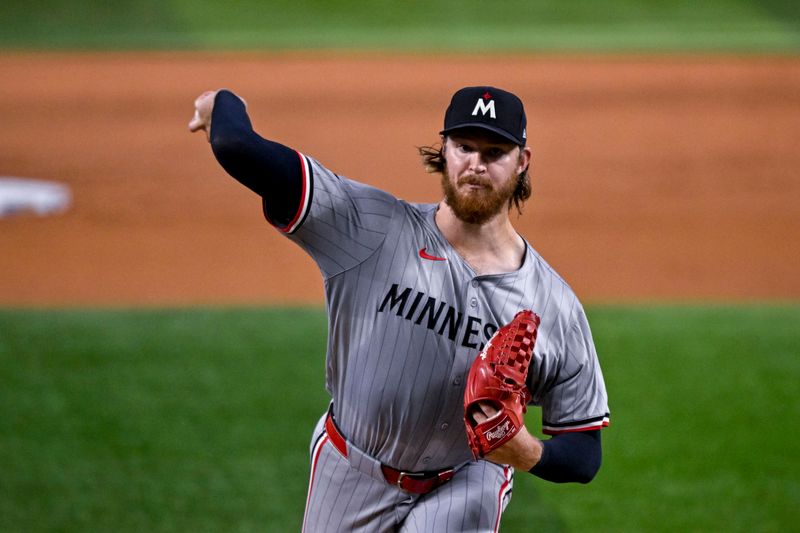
column 416, row 483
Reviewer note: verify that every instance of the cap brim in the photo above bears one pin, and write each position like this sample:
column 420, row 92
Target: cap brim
column 484, row 126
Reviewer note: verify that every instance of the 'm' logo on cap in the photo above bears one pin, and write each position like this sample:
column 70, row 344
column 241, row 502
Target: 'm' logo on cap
column 484, row 107
column 476, row 107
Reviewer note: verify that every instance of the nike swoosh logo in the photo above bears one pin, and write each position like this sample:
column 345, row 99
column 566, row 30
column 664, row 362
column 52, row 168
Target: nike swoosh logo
column 425, row 255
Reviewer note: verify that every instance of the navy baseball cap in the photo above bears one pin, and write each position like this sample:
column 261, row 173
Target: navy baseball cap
column 488, row 108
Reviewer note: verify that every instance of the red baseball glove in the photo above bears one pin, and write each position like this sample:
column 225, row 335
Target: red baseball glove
column 497, row 376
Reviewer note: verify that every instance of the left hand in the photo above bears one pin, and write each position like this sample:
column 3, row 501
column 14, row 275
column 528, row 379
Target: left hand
column 522, row 452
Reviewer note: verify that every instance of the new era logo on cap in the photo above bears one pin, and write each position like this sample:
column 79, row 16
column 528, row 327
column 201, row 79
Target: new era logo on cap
column 489, row 108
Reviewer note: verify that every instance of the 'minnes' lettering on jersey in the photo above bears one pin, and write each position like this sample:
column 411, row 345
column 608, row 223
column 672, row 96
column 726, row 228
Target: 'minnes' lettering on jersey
column 484, row 107
column 437, row 316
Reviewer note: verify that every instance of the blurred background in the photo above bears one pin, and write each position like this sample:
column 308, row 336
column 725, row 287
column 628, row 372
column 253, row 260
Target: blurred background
column 146, row 308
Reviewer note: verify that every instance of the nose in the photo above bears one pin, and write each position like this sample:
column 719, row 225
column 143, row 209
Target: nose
column 477, row 163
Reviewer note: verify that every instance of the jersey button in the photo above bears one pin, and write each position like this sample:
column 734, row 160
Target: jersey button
column 457, row 380
column 426, row 460
column 474, row 282
column 444, row 426
column 473, row 302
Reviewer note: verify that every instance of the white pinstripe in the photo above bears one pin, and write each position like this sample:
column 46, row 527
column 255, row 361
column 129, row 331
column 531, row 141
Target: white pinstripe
column 321, row 441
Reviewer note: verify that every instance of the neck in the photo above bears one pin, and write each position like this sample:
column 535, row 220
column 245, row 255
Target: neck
column 493, row 247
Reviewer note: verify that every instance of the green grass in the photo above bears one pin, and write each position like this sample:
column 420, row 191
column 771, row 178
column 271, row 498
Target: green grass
column 199, row 420
column 157, row 421
column 431, row 25
column 704, row 402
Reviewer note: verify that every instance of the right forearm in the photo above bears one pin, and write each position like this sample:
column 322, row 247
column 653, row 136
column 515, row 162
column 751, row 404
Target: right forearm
column 270, row 169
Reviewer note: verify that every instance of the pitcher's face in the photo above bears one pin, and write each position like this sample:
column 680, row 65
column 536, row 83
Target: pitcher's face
column 481, row 173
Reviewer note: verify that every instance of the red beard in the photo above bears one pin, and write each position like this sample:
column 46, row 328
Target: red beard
column 477, row 206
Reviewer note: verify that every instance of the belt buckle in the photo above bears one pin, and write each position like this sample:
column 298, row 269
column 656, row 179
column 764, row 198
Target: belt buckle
column 409, row 475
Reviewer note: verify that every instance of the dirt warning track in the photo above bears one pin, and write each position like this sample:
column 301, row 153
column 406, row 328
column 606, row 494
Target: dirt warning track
column 654, row 177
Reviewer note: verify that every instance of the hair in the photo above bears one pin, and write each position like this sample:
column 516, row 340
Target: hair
column 434, row 162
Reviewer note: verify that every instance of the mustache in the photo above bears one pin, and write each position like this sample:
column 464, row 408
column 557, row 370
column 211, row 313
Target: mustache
column 473, row 180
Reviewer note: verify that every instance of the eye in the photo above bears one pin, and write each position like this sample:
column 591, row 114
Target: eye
column 495, row 153
column 464, row 148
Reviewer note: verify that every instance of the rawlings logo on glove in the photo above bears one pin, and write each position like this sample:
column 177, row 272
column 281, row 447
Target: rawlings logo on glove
column 497, row 376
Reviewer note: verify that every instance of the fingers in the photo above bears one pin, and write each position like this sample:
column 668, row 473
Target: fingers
column 483, row 411
column 203, row 105
column 205, row 100
column 196, row 123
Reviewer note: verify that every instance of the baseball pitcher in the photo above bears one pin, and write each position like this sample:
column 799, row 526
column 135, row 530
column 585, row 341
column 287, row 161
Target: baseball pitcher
column 444, row 326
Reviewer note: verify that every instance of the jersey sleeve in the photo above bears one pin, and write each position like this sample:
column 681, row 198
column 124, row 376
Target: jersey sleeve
column 576, row 398
column 339, row 222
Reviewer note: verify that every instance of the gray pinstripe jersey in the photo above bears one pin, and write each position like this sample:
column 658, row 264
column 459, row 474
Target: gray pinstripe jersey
column 404, row 329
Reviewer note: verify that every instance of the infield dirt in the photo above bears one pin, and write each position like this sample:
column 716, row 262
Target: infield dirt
column 654, row 178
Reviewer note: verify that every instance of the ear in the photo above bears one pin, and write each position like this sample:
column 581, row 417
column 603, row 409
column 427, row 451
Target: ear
column 525, row 156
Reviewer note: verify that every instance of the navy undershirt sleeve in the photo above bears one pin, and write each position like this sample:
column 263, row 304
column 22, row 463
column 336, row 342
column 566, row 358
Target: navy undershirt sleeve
column 570, row 457
column 270, row 169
